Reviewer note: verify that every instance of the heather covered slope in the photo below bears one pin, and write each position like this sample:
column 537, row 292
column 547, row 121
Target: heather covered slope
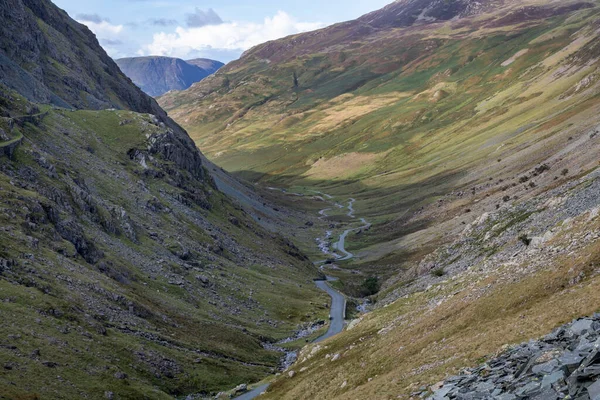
column 293, row 106
column 158, row 75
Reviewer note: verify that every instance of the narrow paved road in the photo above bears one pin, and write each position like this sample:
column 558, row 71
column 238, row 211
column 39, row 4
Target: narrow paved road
column 254, row 393
column 351, row 208
column 340, row 245
column 337, row 312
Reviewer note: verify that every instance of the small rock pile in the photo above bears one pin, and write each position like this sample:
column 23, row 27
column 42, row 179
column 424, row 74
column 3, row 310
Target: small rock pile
column 563, row 365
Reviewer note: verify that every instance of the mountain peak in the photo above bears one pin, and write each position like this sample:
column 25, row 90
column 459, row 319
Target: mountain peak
column 206, row 63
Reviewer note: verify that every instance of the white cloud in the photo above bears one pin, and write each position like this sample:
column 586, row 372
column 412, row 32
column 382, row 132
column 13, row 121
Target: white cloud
column 226, row 36
column 104, row 29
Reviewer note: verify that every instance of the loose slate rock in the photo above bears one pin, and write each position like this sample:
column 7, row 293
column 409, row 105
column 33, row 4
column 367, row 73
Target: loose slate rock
column 594, row 391
column 581, row 326
column 551, row 379
column 563, row 363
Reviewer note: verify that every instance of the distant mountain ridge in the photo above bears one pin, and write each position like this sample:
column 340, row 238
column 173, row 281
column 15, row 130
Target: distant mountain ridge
column 404, row 13
column 159, row 75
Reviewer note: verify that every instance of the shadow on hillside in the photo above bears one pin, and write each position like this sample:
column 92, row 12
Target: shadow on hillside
column 395, row 211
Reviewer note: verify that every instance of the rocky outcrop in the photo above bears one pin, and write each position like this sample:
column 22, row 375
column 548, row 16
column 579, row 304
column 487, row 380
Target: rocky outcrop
column 8, row 149
column 178, row 151
column 563, row 365
column 174, row 145
column 50, row 58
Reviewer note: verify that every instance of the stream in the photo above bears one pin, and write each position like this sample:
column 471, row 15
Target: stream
column 337, row 312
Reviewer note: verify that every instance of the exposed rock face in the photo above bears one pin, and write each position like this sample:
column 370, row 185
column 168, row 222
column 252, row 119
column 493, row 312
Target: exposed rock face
column 176, row 146
column 564, row 364
column 158, row 75
column 50, row 58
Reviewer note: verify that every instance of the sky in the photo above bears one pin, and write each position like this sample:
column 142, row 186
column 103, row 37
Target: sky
column 215, row 29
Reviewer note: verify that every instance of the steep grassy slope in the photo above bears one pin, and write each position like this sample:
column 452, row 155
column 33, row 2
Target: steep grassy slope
column 402, row 114
column 124, row 272
column 484, row 302
column 497, row 266
column 472, row 145
column 121, row 272
column 158, row 75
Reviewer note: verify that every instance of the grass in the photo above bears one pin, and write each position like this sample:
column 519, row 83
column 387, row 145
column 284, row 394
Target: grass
column 442, row 127
column 424, row 160
column 464, row 329
column 142, row 311
column 295, row 161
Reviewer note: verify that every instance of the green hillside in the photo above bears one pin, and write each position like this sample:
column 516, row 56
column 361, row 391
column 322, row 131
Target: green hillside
column 469, row 138
column 400, row 117
column 124, row 271
column 445, row 150
column 114, row 262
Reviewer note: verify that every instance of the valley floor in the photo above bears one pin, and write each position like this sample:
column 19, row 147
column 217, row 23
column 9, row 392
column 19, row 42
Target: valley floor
column 510, row 275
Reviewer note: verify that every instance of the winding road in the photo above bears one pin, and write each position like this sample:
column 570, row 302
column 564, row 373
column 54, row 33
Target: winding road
column 254, row 393
column 340, row 245
column 337, row 312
